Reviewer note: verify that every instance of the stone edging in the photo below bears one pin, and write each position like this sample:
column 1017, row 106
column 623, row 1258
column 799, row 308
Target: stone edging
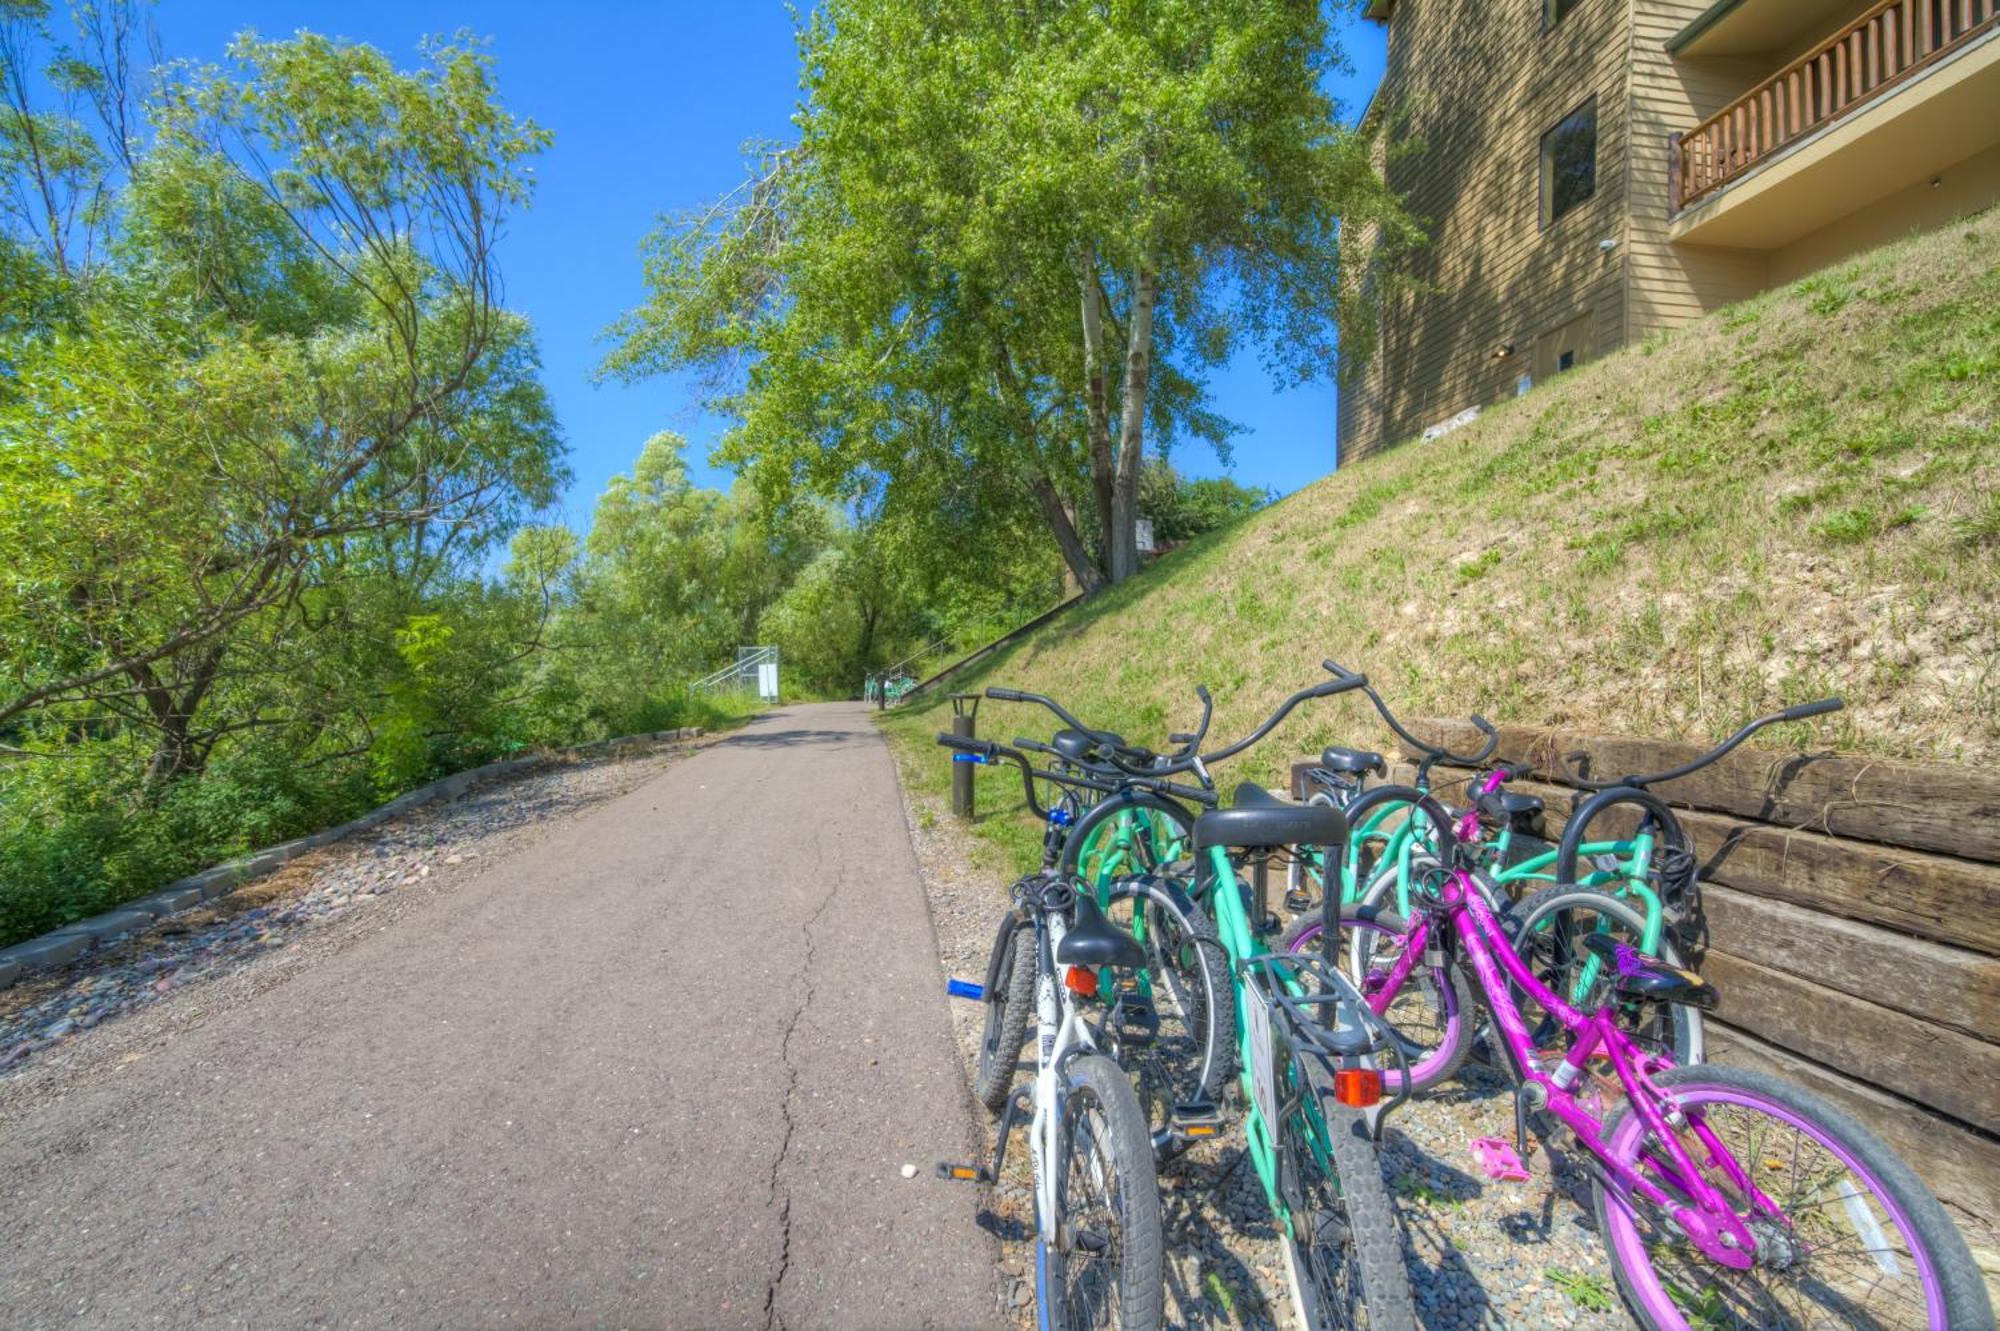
column 73, row 940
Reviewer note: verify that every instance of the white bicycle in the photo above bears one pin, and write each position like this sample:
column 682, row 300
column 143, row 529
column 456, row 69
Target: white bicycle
column 1098, row 1244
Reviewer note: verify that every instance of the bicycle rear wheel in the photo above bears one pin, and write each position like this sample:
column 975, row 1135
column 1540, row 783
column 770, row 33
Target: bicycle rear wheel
column 1846, row 1234
column 1106, row 1266
column 1344, row 1250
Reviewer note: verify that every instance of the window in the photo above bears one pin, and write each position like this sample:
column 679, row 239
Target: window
column 1569, row 162
column 1555, row 11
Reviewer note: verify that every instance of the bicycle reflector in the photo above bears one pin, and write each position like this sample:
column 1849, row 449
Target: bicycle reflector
column 1357, row 1088
column 1081, row 980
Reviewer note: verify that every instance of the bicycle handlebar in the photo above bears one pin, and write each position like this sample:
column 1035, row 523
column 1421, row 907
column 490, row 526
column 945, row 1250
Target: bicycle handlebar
column 1432, row 752
column 1799, row 712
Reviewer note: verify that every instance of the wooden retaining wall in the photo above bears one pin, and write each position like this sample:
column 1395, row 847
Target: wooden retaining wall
column 1853, row 910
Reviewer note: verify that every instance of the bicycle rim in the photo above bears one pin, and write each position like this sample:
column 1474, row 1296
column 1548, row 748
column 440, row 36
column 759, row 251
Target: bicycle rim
column 1840, row 1251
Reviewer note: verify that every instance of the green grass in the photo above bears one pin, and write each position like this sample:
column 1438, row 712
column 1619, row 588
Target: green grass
column 1792, row 497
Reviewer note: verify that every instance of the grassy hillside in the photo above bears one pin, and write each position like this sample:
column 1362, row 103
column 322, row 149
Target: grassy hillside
column 1797, row 496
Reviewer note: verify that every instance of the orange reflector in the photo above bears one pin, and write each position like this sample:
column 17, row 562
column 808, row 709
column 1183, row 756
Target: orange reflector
column 1200, row 1130
column 964, row 1171
column 1082, row 980
column 1357, row 1088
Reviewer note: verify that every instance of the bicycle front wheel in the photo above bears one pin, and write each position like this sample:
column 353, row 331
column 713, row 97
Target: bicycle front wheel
column 1846, row 1234
column 1104, row 1266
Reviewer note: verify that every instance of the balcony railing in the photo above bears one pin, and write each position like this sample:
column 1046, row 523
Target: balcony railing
column 1886, row 46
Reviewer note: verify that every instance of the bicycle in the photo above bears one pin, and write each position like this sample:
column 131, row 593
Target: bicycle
column 1313, row 1092
column 1099, row 1247
column 1688, row 1162
column 1183, row 964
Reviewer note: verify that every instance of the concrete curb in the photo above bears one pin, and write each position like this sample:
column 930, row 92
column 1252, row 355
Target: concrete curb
column 73, row 940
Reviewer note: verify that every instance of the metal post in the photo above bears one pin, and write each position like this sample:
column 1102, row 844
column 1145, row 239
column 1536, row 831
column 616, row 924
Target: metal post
column 964, row 707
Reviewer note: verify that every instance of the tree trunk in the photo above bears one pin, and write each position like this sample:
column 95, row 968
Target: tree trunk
column 177, row 752
column 1075, row 554
column 1132, row 431
column 1097, row 404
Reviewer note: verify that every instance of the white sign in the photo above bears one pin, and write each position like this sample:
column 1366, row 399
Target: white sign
column 1263, row 1078
column 767, row 681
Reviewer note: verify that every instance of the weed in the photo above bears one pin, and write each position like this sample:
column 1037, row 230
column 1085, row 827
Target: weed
column 1585, row 1290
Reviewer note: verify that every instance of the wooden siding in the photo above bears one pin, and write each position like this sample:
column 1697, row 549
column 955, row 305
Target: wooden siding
column 1476, row 86
column 1671, row 284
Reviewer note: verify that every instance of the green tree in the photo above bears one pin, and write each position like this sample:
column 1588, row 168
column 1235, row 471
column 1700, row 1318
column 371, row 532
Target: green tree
column 283, row 370
column 1014, row 238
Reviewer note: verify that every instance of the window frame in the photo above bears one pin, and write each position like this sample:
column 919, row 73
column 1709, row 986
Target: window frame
column 1545, row 213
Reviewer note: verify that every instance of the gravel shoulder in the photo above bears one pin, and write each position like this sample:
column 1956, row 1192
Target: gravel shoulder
column 1482, row 1254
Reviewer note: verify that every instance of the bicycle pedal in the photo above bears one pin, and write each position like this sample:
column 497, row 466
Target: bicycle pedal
column 964, row 1173
column 1196, row 1120
column 1298, row 903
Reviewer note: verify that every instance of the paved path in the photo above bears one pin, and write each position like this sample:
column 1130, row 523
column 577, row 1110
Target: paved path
column 661, row 1068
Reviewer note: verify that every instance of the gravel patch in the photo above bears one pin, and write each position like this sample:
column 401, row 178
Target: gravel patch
column 1482, row 1254
column 110, row 1007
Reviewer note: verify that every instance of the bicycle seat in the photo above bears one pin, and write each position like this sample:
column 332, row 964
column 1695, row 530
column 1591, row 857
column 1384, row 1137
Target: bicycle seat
column 1073, row 745
column 1643, row 978
column 1096, row 941
column 1259, row 820
column 1507, row 805
column 1352, row 761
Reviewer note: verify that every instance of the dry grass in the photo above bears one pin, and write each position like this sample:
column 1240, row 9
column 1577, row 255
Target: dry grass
column 1797, row 496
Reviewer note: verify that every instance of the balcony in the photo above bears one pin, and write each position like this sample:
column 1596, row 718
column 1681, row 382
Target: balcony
column 1905, row 89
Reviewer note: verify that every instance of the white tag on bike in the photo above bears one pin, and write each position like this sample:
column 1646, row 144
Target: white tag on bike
column 1263, row 1080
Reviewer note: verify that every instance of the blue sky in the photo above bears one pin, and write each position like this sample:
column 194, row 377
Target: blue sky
column 651, row 104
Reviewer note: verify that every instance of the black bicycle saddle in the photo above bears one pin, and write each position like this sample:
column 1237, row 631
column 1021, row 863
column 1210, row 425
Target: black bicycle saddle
column 1259, row 820
column 1095, row 941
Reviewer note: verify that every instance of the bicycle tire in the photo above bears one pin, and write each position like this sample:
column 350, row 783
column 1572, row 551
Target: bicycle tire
column 1374, row 1238
column 1010, row 1003
column 1136, row 1269
column 1678, row 1027
column 1196, row 978
column 1955, row 1293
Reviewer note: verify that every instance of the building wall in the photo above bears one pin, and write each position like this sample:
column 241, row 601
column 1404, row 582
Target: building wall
column 1968, row 187
column 1477, row 85
column 1671, row 284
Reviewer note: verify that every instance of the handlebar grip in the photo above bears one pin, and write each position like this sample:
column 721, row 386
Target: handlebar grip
column 1180, row 737
column 1333, row 667
column 1806, row 709
column 1201, row 692
column 1005, row 695
column 984, row 747
column 1032, row 746
column 1341, row 685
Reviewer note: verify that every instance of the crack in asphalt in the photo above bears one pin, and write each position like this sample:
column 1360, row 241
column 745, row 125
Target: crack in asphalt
column 771, row 1322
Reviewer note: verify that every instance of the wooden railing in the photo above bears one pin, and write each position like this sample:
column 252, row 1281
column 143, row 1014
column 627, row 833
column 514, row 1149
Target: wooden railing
column 1888, row 44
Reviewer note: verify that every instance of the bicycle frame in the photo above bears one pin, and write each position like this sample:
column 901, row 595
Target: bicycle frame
column 1700, row 1209
column 1061, row 1033
column 1239, row 940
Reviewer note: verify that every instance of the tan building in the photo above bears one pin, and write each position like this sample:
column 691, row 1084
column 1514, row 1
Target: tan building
column 1592, row 171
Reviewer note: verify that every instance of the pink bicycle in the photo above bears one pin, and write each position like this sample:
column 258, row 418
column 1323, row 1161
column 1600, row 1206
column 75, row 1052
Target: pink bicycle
column 1726, row 1198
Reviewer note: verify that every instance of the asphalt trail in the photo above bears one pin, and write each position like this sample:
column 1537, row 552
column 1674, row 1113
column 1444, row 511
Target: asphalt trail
column 660, row 1069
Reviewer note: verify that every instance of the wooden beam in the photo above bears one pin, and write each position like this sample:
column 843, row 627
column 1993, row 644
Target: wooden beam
column 1945, row 986
column 1927, row 806
column 1952, row 1073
